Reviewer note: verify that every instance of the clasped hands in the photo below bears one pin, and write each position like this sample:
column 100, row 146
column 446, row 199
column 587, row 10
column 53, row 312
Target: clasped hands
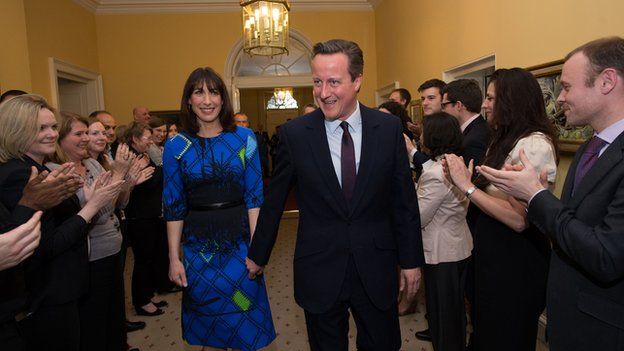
column 520, row 181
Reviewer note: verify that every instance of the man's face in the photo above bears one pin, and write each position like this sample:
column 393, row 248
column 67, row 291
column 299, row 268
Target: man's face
column 109, row 125
column 142, row 115
column 241, row 120
column 334, row 91
column 431, row 100
column 396, row 97
column 579, row 102
column 450, row 107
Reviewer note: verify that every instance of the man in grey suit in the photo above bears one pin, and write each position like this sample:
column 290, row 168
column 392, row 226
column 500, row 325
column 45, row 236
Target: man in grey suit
column 586, row 280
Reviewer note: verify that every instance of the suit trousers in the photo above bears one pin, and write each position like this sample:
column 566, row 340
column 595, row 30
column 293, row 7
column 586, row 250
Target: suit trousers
column 445, row 304
column 52, row 328
column 151, row 260
column 377, row 330
column 102, row 309
column 10, row 337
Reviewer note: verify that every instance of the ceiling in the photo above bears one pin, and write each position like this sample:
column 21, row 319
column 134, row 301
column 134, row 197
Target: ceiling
column 179, row 6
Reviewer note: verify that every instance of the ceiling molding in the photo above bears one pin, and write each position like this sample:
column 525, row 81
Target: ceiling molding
column 102, row 7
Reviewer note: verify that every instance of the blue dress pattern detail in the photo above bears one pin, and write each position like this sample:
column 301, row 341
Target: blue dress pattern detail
column 221, row 307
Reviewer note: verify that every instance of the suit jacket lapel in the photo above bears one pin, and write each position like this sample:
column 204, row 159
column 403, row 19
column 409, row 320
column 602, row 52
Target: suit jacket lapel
column 319, row 148
column 370, row 139
column 611, row 157
column 472, row 124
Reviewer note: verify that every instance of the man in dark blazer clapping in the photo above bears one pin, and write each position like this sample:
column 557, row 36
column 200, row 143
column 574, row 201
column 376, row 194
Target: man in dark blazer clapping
column 358, row 217
column 586, row 281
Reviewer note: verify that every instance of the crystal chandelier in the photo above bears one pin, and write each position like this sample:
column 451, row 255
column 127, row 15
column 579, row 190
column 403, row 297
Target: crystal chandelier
column 265, row 27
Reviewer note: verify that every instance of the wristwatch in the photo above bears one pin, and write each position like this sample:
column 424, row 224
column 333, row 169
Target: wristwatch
column 469, row 192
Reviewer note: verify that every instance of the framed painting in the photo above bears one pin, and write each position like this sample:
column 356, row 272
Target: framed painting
column 171, row 116
column 415, row 111
column 548, row 76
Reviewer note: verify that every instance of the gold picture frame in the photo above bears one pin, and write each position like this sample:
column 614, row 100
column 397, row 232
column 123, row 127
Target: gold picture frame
column 548, row 76
column 415, row 111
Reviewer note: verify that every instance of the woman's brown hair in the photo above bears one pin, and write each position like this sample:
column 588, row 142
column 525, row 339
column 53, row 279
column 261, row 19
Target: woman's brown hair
column 197, row 78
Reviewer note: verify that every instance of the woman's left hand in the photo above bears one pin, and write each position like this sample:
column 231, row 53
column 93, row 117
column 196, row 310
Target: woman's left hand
column 457, row 172
column 123, row 160
column 102, row 180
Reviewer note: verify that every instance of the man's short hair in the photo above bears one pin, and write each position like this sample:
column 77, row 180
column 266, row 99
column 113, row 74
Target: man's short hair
column 432, row 83
column 96, row 113
column 13, row 92
column 602, row 54
column 465, row 90
column 405, row 95
column 351, row 49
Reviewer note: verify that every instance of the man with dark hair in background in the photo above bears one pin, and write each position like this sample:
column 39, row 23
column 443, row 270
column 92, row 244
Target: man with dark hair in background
column 402, row 96
column 431, row 99
column 431, row 96
column 359, row 216
column 462, row 99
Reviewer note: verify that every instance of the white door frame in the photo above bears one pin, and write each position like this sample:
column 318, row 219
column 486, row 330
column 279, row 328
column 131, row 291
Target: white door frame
column 469, row 67
column 62, row 69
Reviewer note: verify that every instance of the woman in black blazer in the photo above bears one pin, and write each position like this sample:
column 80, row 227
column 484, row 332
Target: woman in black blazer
column 56, row 274
column 147, row 231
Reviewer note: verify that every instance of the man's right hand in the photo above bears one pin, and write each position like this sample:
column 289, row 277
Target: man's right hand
column 19, row 243
column 44, row 191
column 253, row 268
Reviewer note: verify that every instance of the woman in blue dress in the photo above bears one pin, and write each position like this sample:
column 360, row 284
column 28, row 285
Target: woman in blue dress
column 212, row 196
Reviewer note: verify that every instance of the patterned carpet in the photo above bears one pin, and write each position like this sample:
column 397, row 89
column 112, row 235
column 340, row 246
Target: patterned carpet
column 163, row 333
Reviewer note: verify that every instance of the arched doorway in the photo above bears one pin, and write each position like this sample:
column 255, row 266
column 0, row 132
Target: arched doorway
column 243, row 72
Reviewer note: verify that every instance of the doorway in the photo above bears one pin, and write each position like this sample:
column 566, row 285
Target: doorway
column 75, row 89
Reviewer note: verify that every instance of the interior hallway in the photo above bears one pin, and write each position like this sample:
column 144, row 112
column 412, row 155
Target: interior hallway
column 163, row 333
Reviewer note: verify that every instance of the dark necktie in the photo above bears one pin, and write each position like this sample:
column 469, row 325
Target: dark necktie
column 347, row 161
column 589, row 157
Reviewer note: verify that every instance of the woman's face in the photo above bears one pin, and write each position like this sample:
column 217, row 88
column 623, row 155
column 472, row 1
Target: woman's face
column 173, row 130
column 206, row 103
column 74, row 144
column 47, row 135
column 158, row 134
column 488, row 102
column 143, row 143
column 97, row 138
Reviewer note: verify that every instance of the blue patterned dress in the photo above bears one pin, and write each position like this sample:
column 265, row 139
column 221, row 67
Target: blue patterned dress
column 221, row 307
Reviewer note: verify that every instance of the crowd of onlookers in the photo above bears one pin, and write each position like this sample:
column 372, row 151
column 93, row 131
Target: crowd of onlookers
column 78, row 191
column 99, row 186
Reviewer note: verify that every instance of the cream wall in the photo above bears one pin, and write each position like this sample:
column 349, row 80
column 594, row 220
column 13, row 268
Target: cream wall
column 60, row 29
column 145, row 59
column 14, row 61
column 419, row 40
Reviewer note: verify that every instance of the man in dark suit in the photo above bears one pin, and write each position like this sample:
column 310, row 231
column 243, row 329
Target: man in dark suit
column 462, row 98
column 586, row 280
column 358, row 216
column 431, row 100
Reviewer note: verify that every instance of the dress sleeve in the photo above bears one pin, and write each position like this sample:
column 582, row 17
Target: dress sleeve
column 174, row 196
column 253, row 174
column 539, row 149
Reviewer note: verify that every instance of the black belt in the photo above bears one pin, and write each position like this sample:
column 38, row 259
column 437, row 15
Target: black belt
column 216, row 206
